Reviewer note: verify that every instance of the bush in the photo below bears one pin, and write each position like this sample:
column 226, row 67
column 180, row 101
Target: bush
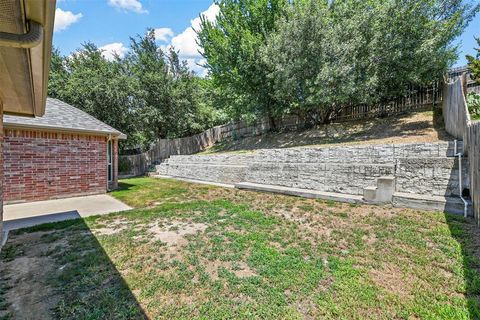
column 473, row 103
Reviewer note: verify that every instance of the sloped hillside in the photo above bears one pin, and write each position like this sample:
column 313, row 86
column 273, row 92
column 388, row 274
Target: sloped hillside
column 417, row 127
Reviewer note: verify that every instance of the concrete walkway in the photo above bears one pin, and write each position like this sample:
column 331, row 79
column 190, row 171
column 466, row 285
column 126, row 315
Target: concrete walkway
column 22, row 215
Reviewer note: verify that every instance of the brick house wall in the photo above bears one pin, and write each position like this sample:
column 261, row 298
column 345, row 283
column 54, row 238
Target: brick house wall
column 41, row 165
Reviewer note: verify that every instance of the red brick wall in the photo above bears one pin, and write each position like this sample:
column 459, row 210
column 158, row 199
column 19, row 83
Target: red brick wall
column 46, row 165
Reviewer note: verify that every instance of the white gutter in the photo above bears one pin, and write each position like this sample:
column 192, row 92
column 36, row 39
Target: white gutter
column 460, row 183
column 28, row 40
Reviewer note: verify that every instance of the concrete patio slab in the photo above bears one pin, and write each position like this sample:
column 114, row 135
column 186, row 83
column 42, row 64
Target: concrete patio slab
column 22, row 215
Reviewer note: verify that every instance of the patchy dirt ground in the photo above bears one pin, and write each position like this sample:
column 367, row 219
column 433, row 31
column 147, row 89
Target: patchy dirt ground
column 207, row 252
column 417, row 127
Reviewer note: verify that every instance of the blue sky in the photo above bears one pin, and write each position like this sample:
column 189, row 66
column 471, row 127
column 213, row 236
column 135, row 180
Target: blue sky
column 110, row 23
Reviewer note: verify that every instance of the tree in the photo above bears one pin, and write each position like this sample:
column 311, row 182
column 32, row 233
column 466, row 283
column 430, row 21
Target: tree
column 99, row 87
column 326, row 55
column 474, row 63
column 58, row 75
column 148, row 95
column 168, row 90
column 231, row 47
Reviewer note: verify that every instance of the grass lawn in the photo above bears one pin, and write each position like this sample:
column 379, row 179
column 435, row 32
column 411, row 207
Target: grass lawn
column 195, row 251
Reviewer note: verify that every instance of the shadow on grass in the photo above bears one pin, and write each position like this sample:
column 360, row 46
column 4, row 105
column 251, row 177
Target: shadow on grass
column 60, row 270
column 124, row 186
column 467, row 234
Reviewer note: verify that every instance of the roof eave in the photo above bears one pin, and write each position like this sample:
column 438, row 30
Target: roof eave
column 23, row 89
column 117, row 135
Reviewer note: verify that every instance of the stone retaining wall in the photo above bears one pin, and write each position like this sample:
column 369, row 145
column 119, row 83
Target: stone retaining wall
column 425, row 168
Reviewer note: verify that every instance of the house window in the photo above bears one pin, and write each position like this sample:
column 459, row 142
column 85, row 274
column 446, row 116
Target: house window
column 109, row 161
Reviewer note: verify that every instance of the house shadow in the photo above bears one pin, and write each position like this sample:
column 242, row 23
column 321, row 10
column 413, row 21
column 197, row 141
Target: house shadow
column 124, row 186
column 467, row 234
column 60, row 270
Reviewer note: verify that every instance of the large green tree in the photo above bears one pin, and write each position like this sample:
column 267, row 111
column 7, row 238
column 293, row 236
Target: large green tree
column 150, row 94
column 97, row 86
column 326, row 55
column 474, row 63
column 231, row 46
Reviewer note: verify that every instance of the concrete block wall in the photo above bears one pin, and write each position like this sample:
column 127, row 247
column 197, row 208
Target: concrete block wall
column 385, row 153
column 330, row 177
column 424, row 168
column 437, row 176
column 222, row 173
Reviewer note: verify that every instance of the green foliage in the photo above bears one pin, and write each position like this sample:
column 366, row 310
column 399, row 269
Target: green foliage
column 473, row 103
column 231, row 46
column 99, row 87
column 314, row 57
column 474, row 63
column 148, row 95
column 328, row 55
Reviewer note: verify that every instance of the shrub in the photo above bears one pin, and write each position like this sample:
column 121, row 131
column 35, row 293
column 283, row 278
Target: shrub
column 473, row 102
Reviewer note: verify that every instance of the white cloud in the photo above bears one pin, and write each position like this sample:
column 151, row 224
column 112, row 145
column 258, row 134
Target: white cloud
column 128, row 5
column 163, row 34
column 196, row 65
column 109, row 50
column 186, row 42
column 63, row 19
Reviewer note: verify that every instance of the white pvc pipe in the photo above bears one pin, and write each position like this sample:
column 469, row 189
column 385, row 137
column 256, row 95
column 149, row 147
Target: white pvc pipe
column 460, row 183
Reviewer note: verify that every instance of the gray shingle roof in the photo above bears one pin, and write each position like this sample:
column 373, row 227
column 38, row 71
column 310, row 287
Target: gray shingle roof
column 60, row 115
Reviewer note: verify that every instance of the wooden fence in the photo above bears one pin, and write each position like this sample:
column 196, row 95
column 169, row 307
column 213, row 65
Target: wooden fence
column 417, row 99
column 138, row 164
column 458, row 124
column 455, row 111
column 473, row 136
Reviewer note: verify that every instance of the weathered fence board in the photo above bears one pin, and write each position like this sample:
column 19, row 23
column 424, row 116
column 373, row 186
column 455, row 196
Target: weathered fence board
column 458, row 123
column 164, row 148
column 455, row 111
column 473, row 133
column 418, row 99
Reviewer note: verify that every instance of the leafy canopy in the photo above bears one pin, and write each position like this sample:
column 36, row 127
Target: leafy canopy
column 314, row 57
column 474, row 63
column 231, row 46
column 149, row 94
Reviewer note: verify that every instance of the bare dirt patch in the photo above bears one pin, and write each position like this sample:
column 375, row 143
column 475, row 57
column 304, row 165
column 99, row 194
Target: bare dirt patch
column 174, row 234
column 113, row 227
column 393, row 280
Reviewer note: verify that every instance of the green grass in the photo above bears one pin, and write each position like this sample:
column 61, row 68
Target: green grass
column 259, row 256
column 142, row 192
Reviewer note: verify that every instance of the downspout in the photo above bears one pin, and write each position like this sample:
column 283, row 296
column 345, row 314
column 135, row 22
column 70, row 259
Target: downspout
column 111, row 155
column 27, row 40
column 460, row 182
